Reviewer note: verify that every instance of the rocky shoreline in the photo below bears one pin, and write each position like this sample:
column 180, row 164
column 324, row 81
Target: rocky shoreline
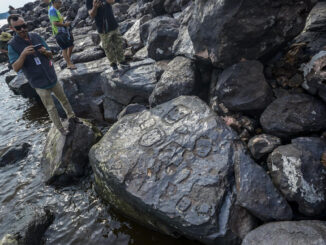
column 216, row 130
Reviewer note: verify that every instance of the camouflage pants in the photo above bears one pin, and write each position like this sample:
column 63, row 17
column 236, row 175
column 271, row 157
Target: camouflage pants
column 112, row 43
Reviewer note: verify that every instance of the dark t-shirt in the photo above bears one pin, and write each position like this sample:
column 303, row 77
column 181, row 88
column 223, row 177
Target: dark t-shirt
column 105, row 21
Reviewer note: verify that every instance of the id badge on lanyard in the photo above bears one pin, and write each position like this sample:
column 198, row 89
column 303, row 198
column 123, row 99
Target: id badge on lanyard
column 37, row 61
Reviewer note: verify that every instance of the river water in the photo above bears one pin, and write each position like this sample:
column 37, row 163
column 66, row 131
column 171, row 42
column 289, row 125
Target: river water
column 80, row 217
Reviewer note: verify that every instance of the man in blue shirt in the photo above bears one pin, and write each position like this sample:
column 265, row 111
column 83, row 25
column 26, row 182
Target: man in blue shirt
column 29, row 52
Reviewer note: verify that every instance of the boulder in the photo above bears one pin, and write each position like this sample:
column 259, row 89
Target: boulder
column 83, row 88
column 65, row 158
column 314, row 32
column 159, row 35
column 183, row 44
column 226, row 31
column 315, row 75
column 242, row 87
column 294, row 114
column 171, row 169
column 30, row 228
column 134, row 84
column 256, row 192
column 263, row 144
column 20, row 86
column 89, row 54
column 288, row 232
column 14, row 154
column 178, row 79
column 297, row 172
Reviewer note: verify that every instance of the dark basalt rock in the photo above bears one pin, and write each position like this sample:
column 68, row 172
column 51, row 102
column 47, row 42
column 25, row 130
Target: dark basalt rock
column 226, row 31
column 171, row 169
column 315, row 75
column 14, row 154
column 297, row 172
column 242, row 87
column 314, row 32
column 256, row 192
column 261, row 145
column 294, row 114
column 159, row 35
column 20, row 86
column 30, row 229
column 65, row 158
column 178, row 79
column 132, row 85
column 83, row 88
column 288, row 232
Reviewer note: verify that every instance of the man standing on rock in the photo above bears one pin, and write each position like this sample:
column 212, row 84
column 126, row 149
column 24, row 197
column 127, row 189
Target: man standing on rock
column 62, row 32
column 29, row 52
column 107, row 27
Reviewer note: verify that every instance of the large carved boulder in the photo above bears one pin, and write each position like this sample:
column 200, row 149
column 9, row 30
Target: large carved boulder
column 226, row 31
column 65, row 158
column 297, row 172
column 171, row 169
column 294, row 114
column 242, row 87
column 288, row 232
column 178, row 79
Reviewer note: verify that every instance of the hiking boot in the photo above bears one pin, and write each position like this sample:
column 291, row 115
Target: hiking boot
column 114, row 66
column 123, row 65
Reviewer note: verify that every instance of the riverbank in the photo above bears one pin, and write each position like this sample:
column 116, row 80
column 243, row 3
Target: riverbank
column 215, row 128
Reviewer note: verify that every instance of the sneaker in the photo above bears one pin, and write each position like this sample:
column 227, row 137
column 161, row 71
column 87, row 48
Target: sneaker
column 114, row 66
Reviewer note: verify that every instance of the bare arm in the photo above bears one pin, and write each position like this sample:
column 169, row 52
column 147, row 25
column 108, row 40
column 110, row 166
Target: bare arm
column 57, row 23
column 93, row 12
column 45, row 52
column 110, row 1
column 18, row 64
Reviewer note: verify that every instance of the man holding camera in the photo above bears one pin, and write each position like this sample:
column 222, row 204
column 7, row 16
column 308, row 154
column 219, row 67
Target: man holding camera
column 107, row 27
column 29, row 52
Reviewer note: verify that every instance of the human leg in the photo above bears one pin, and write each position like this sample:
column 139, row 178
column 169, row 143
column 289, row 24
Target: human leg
column 61, row 96
column 46, row 98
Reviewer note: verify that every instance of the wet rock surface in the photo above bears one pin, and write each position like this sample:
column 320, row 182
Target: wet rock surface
column 242, row 87
column 65, row 158
column 294, row 232
column 256, row 192
column 224, row 32
column 178, row 79
column 297, row 172
column 30, row 229
column 176, row 170
column 13, row 154
column 294, row 114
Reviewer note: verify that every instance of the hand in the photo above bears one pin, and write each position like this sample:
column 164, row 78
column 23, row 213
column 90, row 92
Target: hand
column 67, row 24
column 42, row 50
column 96, row 4
column 110, row 1
column 28, row 50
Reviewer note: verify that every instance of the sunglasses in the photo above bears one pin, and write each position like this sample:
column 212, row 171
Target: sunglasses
column 18, row 28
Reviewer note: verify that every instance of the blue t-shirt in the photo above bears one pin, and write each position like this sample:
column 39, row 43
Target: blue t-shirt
column 13, row 55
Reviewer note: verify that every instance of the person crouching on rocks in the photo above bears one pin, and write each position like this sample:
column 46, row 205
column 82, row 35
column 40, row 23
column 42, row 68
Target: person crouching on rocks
column 4, row 39
column 107, row 27
column 29, row 52
column 62, row 32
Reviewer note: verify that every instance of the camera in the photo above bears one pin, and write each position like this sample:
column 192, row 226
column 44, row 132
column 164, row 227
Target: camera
column 37, row 46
